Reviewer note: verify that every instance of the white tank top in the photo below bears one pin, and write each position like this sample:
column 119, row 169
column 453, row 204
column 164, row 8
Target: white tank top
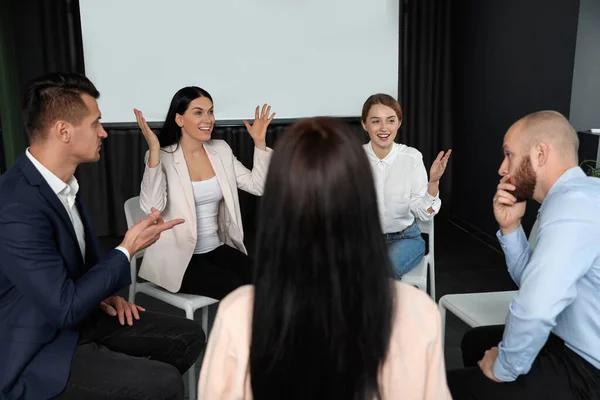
column 207, row 195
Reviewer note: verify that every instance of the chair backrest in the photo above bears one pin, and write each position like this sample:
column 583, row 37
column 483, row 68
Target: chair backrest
column 133, row 212
column 427, row 228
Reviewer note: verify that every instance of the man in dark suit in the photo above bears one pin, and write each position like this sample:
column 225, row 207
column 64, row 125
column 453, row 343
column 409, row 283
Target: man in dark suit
column 62, row 332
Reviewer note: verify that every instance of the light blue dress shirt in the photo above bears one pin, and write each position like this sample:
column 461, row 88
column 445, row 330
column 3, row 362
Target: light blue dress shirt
column 559, row 281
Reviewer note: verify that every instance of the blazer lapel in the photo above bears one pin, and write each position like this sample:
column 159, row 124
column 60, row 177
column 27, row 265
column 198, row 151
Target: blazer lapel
column 36, row 179
column 217, row 164
column 58, row 206
column 93, row 252
column 186, row 183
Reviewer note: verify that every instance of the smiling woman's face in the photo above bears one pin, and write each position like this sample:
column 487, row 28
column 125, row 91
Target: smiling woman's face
column 198, row 120
column 382, row 125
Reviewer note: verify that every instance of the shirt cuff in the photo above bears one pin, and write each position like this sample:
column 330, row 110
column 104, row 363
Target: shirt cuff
column 513, row 243
column 152, row 168
column 124, row 251
column 501, row 372
column 266, row 150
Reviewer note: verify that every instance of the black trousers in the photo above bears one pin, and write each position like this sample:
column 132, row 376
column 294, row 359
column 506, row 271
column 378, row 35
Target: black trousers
column 217, row 273
column 557, row 372
column 143, row 361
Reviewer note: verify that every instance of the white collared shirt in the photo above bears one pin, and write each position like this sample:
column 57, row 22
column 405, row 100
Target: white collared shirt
column 401, row 185
column 66, row 193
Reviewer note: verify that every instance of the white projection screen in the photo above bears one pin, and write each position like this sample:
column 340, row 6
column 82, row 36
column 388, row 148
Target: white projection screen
column 304, row 57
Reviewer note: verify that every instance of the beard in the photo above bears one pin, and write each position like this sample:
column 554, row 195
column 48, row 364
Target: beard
column 524, row 180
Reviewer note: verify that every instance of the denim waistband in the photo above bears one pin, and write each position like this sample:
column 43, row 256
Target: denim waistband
column 392, row 235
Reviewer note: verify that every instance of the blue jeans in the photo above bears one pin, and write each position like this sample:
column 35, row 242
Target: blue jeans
column 406, row 249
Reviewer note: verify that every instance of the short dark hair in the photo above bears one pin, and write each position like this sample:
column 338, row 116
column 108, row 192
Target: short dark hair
column 53, row 97
column 324, row 300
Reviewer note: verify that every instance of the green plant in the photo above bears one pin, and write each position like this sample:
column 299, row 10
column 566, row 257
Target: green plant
column 591, row 167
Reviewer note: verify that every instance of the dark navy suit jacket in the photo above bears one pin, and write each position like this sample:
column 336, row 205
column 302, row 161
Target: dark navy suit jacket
column 46, row 287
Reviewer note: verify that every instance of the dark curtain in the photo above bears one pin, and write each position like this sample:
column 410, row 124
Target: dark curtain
column 2, row 158
column 47, row 37
column 425, row 84
column 107, row 184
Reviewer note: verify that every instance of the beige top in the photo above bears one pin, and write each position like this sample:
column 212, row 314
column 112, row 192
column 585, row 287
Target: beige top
column 414, row 367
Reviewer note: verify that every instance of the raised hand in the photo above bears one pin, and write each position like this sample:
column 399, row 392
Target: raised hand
column 507, row 210
column 147, row 232
column 439, row 166
column 149, row 135
column 258, row 130
column 117, row 306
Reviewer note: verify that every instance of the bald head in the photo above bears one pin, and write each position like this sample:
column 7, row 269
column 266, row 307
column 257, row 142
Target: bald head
column 548, row 127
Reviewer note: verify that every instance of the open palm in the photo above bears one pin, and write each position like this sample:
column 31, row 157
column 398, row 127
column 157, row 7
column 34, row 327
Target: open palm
column 439, row 166
column 258, row 130
column 149, row 135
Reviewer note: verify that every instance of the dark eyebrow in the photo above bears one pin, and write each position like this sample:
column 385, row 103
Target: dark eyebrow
column 391, row 116
column 201, row 109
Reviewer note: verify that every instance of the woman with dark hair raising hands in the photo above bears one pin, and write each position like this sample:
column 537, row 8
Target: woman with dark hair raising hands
column 324, row 318
column 190, row 175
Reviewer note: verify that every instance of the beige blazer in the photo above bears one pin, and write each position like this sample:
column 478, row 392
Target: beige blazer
column 413, row 369
column 168, row 188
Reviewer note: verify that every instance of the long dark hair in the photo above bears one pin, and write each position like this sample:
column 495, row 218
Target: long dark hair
column 324, row 302
column 171, row 132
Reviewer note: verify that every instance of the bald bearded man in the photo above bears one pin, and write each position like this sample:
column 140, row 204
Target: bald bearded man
column 550, row 345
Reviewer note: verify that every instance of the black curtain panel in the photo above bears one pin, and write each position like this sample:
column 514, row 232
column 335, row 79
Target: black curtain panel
column 425, row 76
column 107, row 184
column 2, row 157
column 47, row 37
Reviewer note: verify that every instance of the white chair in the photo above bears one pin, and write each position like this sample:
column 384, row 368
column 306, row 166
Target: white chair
column 189, row 303
column 418, row 275
column 481, row 309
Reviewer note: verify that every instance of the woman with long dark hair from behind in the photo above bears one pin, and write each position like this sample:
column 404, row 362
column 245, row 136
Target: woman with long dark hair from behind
column 323, row 319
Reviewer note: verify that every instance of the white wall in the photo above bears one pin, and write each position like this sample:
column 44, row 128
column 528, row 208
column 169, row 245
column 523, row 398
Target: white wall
column 585, row 95
column 309, row 57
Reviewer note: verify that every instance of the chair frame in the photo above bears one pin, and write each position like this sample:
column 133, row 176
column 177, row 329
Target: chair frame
column 490, row 303
column 426, row 267
column 187, row 302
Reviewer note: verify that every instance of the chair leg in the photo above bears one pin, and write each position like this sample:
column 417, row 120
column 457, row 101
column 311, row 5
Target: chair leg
column 442, row 308
column 189, row 314
column 192, row 382
column 432, row 281
column 132, row 293
column 133, row 272
column 205, row 321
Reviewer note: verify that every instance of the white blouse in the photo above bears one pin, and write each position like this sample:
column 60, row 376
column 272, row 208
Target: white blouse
column 207, row 195
column 401, row 185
